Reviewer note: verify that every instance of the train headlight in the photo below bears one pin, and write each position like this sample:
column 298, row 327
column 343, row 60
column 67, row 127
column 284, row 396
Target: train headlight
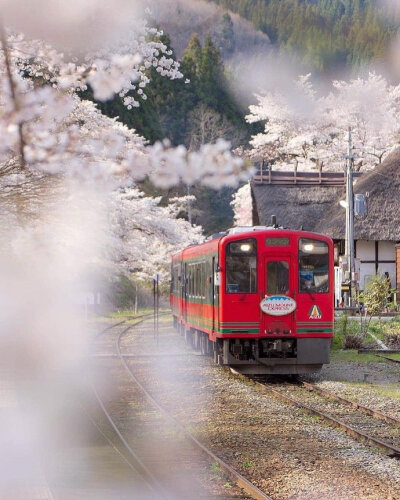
column 308, row 247
column 245, row 247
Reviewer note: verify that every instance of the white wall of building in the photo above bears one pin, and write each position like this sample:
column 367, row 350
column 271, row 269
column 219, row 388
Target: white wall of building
column 367, row 271
column 365, row 251
column 386, row 250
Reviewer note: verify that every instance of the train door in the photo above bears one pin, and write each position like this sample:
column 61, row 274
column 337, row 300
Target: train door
column 278, row 305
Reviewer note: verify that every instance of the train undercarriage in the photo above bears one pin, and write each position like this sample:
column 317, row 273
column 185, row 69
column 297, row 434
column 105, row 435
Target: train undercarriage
column 263, row 356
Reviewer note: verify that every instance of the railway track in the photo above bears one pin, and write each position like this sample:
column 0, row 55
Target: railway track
column 363, row 423
column 122, row 448
column 191, row 451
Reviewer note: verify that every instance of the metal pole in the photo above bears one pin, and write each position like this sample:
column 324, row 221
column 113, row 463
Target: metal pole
column 350, row 219
column 158, row 298
column 189, row 208
column 136, row 300
column 154, row 307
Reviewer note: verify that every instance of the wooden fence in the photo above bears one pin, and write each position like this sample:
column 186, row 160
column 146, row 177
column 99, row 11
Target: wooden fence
column 266, row 175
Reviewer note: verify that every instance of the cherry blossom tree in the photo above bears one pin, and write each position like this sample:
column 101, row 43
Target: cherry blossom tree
column 309, row 130
column 147, row 233
column 370, row 108
column 291, row 134
column 40, row 98
column 242, row 206
column 50, row 134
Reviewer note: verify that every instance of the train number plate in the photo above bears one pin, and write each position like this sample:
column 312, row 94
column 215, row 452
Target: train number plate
column 278, row 305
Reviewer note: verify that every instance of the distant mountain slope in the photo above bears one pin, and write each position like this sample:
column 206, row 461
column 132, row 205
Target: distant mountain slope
column 182, row 18
column 325, row 34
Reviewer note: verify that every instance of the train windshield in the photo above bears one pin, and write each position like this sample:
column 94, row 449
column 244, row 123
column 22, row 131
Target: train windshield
column 313, row 266
column 277, row 277
column 241, row 266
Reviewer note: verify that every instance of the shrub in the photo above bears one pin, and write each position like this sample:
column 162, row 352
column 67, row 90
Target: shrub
column 374, row 298
column 391, row 336
column 353, row 341
column 343, row 328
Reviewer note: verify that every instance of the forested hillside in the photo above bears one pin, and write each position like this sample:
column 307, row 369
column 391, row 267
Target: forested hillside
column 195, row 110
column 323, row 33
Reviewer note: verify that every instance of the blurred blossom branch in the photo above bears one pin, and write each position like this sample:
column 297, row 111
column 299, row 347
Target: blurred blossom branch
column 51, row 134
column 13, row 90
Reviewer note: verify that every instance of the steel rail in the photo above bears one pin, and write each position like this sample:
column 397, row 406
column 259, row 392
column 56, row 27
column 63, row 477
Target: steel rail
column 394, row 451
column 128, row 318
column 368, row 411
column 109, row 327
column 241, row 481
column 138, row 466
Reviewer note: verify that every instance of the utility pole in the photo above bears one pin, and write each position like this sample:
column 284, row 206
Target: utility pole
column 349, row 250
column 189, row 208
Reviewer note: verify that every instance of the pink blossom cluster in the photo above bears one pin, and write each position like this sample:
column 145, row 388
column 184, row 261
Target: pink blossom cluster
column 309, row 130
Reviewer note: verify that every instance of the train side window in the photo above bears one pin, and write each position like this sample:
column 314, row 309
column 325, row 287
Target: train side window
column 175, row 279
column 241, row 266
column 202, row 280
column 313, row 266
column 190, row 280
column 197, row 280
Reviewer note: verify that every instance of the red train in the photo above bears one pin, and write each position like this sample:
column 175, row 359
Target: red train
column 260, row 299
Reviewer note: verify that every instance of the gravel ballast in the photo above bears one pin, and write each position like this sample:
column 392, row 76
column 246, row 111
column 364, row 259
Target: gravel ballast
column 286, row 452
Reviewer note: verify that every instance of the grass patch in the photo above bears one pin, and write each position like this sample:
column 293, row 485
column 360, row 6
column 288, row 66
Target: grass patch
column 312, row 418
column 354, row 356
column 248, row 463
column 390, row 391
column 215, row 467
column 351, row 327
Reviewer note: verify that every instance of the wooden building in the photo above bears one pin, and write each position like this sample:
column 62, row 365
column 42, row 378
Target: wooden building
column 310, row 201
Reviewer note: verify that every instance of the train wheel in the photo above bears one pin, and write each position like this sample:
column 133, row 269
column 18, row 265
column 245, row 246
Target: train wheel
column 197, row 340
column 204, row 345
column 189, row 337
column 210, row 346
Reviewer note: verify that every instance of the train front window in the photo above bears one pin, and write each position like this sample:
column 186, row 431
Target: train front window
column 313, row 266
column 241, row 266
column 277, row 277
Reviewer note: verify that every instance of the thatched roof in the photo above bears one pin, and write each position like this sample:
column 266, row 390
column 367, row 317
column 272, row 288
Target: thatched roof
column 316, row 208
column 383, row 219
column 295, row 207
